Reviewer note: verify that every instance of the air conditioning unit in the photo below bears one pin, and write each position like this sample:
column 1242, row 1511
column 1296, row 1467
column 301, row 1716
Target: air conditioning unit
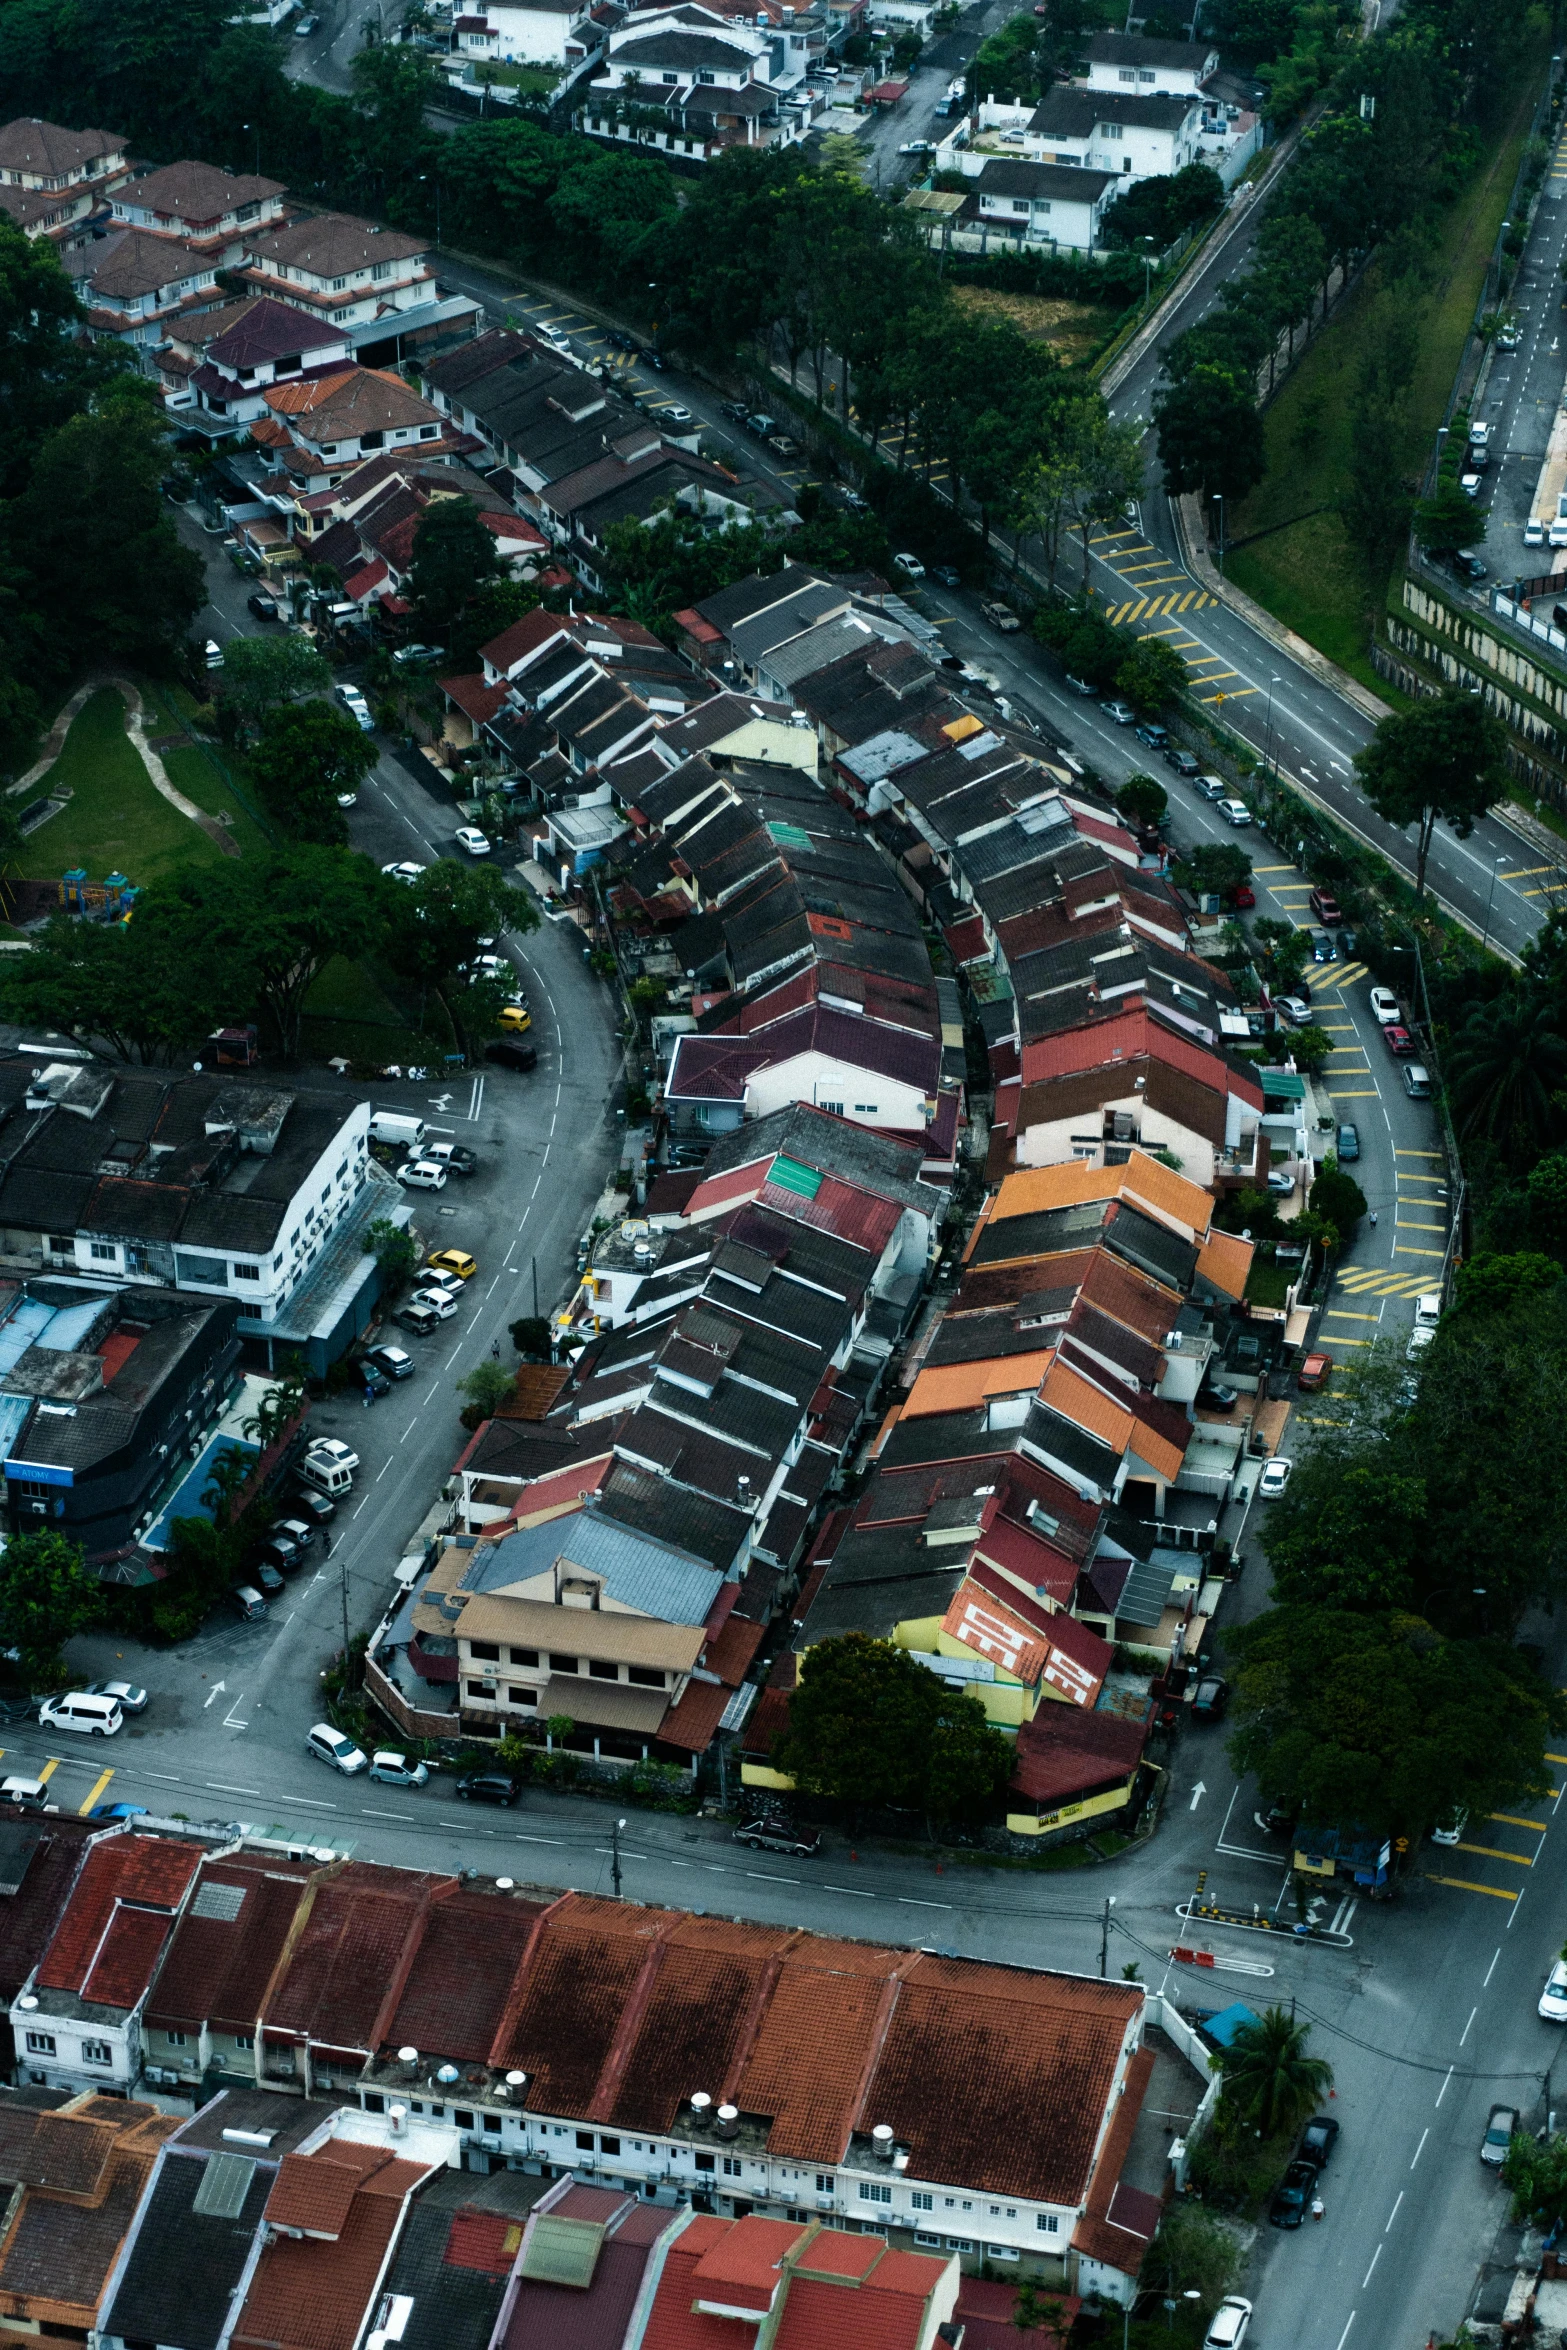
column 1173, row 1341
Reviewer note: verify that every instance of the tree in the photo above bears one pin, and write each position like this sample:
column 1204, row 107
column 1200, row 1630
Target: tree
column 227, row 1479
column 454, row 559
column 486, row 1387
column 395, row 1251
column 148, row 991
column 1448, row 519
column 531, row 1337
column 1444, row 759
column 453, row 906
column 1152, row 676
column 288, row 917
column 1143, row 799
column 1376, row 1721
column 867, row 1725
column 306, row 756
column 1334, row 1194
column 1506, row 1068
column 1494, row 1284
column 1216, row 868
column 280, row 1405
column 1083, row 640
column 1194, row 2252
column 1534, row 2171
column 1108, row 466
column 47, row 1596
column 488, row 615
column 262, row 673
column 1210, row 434
column 1268, row 2077
column 1349, row 1527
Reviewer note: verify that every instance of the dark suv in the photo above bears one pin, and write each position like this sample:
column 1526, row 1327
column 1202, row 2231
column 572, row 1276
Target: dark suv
column 487, row 1787
column 780, row 1836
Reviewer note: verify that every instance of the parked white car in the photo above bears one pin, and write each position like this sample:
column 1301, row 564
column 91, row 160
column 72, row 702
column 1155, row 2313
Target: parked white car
column 1384, row 1008
column 1274, row 1479
column 1553, row 1999
column 405, row 871
column 439, row 1301
column 1235, row 812
column 331, row 1746
column 422, row 1175
column 331, row 1448
column 469, row 837
column 1231, row 2320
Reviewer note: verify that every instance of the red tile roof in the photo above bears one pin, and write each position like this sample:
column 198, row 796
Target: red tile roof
column 461, row 1973
column 1119, row 2223
column 823, row 2287
column 315, row 2191
column 1067, row 1752
column 125, row 1959
column 348, row 1955
column 308, row 2295
column 152, row 1872
column 743, row 2267
column 218, row 1967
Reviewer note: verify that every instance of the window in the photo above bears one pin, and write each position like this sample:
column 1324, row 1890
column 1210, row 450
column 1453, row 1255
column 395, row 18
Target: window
column 105, row 1251
column 374, row 2101
column 825, row 2182
column 924, row 2236
column 645, row 1677
column 176, row 2039
column 869, row 1109
column 609, row 2145
column 97, row 2052
column 704, row 77
column 874, row 2191
column 1002, row 2252
column 477, row 1689
column 564, row 1664
column 602, row 1670
column 704, row 2162
column 464, row 2121
column 1019, row 204
column 247, row 1272
column 524, row 1697
column 40, row 2043
column 833, row 1109
column 921, row 2201
column 671, row 77
column 959, row 2244
column 245, row 2040
column 484, row 1652
column 1145, row 74
column 1110, row 130
column 734, row 2168
column 492, row 2122
column 523, row 1656
column 1128, row 73
column 1047, row 2223
column 585, row 2141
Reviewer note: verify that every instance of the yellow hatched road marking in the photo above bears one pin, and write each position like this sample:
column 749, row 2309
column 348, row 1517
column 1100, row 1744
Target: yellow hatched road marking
column 1150, row 633
column 1399, row 1250
column 1520, row 1860
column 1119, row 615
column 1273, row 868
column 1507, row 1819
column 1464, row 1885
column 1234, row 695
column 1109, row 537
column 1342, row 1338
column 1341, row 1314
column 50, row 1767
column 1549, row 1757
column 1366, row 1093
column 1184, row 644
column 1185, row 600
column 1526, row 872
column 1410, row 1224
column 1136, row 612
column 95, row 1791
column 1398, row 1154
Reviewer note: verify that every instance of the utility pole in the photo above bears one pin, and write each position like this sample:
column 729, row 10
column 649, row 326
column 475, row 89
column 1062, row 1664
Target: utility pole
column 342, row 1579
column 535, row 1289
column 614, row 1856
column 1104, row 1936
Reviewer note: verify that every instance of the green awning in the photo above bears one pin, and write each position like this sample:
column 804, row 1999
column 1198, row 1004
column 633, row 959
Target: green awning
column 789, row 1175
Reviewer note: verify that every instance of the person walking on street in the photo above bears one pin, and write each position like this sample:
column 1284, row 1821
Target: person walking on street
column 1316, row 2207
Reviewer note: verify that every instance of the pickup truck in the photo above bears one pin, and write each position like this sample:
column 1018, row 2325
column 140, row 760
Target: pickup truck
column 1001, row 617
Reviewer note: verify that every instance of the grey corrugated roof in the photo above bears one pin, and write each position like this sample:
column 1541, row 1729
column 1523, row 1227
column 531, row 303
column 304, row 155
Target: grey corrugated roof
column 640, row 1572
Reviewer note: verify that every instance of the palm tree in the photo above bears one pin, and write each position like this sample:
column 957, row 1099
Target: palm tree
column 1269, row 2080
column 1506, row 1062
column 230, row 1473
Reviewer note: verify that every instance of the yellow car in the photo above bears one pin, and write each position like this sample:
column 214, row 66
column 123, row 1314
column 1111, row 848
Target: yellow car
column 453, row 1260
column 516, row 1017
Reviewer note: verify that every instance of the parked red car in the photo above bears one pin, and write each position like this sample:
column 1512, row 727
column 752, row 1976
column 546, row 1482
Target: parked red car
column 1399, row 1042
column 1314, row 1370
column 1326, row 908
column 1244, row 896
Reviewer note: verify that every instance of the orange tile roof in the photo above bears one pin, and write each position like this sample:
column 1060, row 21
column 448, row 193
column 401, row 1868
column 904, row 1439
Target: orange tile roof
column 1066, row 1391
column 989, row 1627
column 316, row 2191
column 307, row 2295
column 743, row 2266
column 1169, row 1196
column 1224, row 1261
column 961, row 1387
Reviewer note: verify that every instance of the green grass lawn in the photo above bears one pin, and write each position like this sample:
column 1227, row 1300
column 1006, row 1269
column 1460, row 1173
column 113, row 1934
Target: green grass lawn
column 349, row 1013
column 116, row 821
column 1310, row 574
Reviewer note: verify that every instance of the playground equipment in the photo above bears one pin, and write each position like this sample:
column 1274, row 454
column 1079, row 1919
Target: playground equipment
column 113, row 902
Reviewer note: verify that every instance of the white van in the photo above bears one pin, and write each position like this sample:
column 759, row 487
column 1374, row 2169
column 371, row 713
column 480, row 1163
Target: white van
column 326, row 1476
column 393, row 1126
column 95, row 1717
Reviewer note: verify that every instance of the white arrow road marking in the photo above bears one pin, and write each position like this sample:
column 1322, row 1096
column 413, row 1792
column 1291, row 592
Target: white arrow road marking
column 216, row 1693
column 1198, row 1792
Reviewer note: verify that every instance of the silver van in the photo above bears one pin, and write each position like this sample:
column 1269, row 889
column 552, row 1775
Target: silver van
column 95, row 1717
column 1417, row 1081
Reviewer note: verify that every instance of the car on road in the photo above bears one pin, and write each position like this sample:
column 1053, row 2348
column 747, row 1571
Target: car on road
column 1326, row 908
column 469, row 837
column 778, row 1835
column 455, row 1157
column 1323, row 950
column 405, row 871
column 1001, row 617
column 1348, row 1145
column 97, row 1717
column 266, row 1575
column 306, row 26
column 348, row 799
column 281, row 1551
column 515, row 1018
column 351, row 697
column 1213, row 787
column 910, row 566
column 392, row 1361
column 212, row 653
column 1470, row 567
column 1501, row 2124
column 1231, row 2320
column 441, row 1278
column 126, row 1694
column 1296, row 1010
column 453, row 1260
column 1273, row 1480
column 31, row 1794
column 118, row 1811
column 1235, row 812
column 415, row 656
column 918, row 147
column 1508, row 337
column 319, row 1506
column 422, row 1175
column 1398, row 1040
column 1318, row 2139
column 396, row 1770
column 1079, row 686
column 1182, row 762
column 264, row 607
column 372, row 1379
column 298, row 1533
column 1384, row 1008
column 1211, row 1697
column 438, row 1302
column 673, row 413
column 1154, row 736
column 1534, row 532
column 946, row 575
column 1553, row 1999
column 1315, row 1371
column 1417, row 1081
column 512, row 1052
column 1292, row 2194
column 334, row 1747
column 1281, row 1183
column 418, row 1318
column 1119, row 713
column 1479, row 436
column 487, row 1787
column 334, row 1451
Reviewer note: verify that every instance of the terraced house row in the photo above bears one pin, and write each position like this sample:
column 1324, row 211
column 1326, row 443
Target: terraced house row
column 265, row 2098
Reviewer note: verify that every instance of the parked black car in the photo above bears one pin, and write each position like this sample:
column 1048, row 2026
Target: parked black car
column 1182, row 762
column 487, row 1787
column 372, row 1376
column 319, row 1506
column 1293, row 2194
column 512, row 1052
column 1213, row 1695
column 1318, row 2139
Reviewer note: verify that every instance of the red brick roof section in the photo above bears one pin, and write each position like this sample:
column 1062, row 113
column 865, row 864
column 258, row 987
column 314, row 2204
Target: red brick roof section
column 218, row 1968
column 152, row 1872
column 1044, row 2045
column 316, row 2191
column 570, row 2003
column 816, row 2046
column 1106, row 2232
column 700, row 2009
column 126, row 1958
column 308, row 2295
column 348, row 1955
column 823, row 2287
column 744, row 2267
column 472, row 1945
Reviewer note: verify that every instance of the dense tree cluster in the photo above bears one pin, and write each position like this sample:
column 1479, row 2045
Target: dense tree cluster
column 870, row 1726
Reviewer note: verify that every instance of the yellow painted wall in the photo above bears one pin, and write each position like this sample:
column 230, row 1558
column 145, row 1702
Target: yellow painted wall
column 755, row 1774
column 1022, row 1823
column 1006, row 1702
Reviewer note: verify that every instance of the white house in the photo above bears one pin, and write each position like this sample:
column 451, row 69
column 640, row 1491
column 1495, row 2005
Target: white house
column 1044, row 202
column 716, row 83
column 213, row 211
column 1126, row 62
column 858, row 1069
column 559, row 33
column 1131, row 137
column 342, row 269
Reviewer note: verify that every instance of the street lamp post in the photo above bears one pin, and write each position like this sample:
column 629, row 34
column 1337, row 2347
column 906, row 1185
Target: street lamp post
column 614, row 1856
column 1268, row 759
column 1218, row 499
column 1490, row 898
column 245, row 126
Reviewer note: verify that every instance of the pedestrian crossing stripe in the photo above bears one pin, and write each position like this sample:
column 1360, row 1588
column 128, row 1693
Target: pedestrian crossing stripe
column 1341, row 974
column 1464, row 1885
column 1401, row 1249
column 1364, row 1281
column 1336, row 1314
column 1398, row 1154
column 1273, row 868
column 1345, row 1093
column 95, row 1793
